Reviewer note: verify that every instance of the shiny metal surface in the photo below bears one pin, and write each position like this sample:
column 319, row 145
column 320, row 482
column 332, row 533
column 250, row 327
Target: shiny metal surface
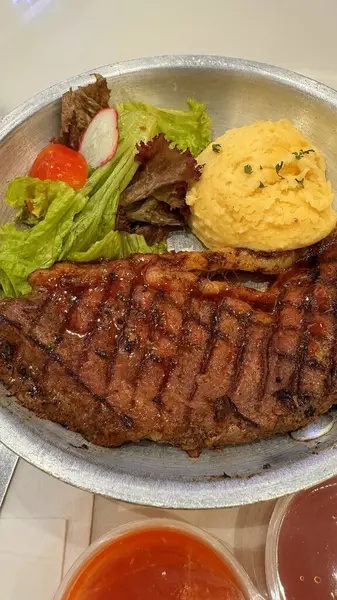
column 236, row 93
column 315, row 430
column 8, row 462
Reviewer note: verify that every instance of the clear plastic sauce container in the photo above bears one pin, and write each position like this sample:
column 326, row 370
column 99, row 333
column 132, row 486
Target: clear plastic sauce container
column 161, row 560
column 301, row 552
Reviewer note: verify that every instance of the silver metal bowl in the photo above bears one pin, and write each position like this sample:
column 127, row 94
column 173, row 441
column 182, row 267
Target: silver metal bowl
column 236, row 93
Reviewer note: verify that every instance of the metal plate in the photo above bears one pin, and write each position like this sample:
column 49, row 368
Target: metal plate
column 236, row 93
column 8, row 462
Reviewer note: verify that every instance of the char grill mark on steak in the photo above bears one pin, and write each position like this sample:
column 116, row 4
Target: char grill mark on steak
column 165, row 327
column 124, row 306
column 94, row 322
column 299, row 357
column 156, row 361
column 281, row 389
column 332, row 380
column 154, row 366
column 174, row 387
column 217, row 309
column 77, row 326
column 240, row 352
column 206, row 358
column 323, row 347
column 214, row 379
column 270, row 378
column 150, row 325
column 125, row 365
column 246, row 386
column 222, row 407
column 56, row 309
column 295, row 351
column 203, row 361
column 6, row 351
column 265, row 358
column 183, row 361
column 98, row 341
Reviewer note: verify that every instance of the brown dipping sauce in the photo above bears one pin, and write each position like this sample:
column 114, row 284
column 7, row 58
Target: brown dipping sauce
column 307, row 546
column 156, row 564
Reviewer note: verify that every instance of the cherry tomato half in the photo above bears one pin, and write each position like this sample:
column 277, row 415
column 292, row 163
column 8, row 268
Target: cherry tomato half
column 59, row 163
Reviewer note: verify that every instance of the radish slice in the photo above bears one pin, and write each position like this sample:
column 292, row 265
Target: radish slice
column 100, row 139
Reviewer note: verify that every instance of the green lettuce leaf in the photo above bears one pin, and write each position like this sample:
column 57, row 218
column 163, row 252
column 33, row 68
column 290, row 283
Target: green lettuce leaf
column 24, row 251
column 33, row 197
column 107, row 182
column 185, row 128
column 117, row 244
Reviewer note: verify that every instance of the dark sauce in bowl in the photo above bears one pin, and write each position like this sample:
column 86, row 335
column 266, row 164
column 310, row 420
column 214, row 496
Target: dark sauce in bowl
column 307, row 545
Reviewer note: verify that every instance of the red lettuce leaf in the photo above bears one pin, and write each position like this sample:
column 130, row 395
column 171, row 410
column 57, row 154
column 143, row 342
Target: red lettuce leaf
column 78, row 109
column 162, row 166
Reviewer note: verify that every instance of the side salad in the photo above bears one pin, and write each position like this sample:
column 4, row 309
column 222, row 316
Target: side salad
column 113, row 183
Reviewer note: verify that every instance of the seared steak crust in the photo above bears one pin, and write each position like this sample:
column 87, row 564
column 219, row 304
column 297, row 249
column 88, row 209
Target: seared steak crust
column 149, row 347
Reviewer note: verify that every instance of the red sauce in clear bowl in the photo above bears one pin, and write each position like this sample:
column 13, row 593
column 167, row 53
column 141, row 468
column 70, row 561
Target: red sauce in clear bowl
column 301, row 555
column 157, row 563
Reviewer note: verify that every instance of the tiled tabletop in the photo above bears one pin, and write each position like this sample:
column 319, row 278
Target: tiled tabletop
column 42, row 42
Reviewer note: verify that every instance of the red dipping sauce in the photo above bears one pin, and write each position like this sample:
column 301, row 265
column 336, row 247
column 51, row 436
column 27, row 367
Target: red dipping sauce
column 307, row 545
column 155, row 564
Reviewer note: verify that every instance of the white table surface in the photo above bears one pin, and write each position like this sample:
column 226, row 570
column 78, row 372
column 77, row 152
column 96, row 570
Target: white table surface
column 44, row 41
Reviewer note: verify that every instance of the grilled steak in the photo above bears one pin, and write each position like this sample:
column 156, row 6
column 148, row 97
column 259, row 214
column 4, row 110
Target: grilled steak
column 242, row 259
column 150, row 347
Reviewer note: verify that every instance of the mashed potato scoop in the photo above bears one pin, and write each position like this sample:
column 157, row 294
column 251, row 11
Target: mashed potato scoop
column 263, row 187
